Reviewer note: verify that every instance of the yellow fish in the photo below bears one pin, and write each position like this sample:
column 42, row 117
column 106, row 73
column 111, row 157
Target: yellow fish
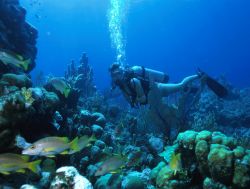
column 51, row 146
column 83, row 142
column 60, row 85
column 10, row 58
column 111, row 165
column 10, row 163
column 175, row 162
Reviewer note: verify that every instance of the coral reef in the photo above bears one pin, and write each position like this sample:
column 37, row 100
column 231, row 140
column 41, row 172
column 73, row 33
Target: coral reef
column 230, row 116
column 209, row 159
column 16, row 34
column 71, row 107
column 24, row 111
column 68, row 177
column 136, row 180
column 81, row 78
column 108, row 181
column 28, row 186
column 79, row 81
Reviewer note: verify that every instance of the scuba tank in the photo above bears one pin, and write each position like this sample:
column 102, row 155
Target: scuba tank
column 149, row 74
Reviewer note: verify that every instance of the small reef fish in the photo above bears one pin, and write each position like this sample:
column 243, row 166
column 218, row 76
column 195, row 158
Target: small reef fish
column 11, row 163
column 83, row 142
column 175, row 162
column 10, row 58
column 51, row 146
column 111, row 165
column 60, row 85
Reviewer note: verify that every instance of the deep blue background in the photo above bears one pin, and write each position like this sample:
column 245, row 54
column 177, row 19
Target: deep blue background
column 175, row 36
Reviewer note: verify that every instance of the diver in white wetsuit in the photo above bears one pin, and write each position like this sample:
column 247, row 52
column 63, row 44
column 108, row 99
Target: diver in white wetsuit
column 134, row 82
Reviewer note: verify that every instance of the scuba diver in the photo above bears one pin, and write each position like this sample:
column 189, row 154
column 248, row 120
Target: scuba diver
column 142, row 86
column 134, row 83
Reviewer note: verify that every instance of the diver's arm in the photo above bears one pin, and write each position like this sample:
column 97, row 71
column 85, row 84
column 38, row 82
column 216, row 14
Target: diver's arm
column 167, row 89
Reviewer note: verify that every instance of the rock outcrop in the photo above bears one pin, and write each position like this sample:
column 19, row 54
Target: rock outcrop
column 16, row 34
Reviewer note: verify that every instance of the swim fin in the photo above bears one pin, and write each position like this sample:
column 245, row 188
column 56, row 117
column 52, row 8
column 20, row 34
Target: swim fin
column 214, row 85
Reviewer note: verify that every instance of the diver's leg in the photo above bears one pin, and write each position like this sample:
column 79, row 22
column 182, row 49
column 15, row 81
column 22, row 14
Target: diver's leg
column 167, row 89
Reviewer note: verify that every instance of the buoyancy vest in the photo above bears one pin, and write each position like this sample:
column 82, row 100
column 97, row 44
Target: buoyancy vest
column 128, row 87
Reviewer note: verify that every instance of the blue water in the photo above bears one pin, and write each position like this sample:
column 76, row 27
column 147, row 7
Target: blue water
column 175, row 36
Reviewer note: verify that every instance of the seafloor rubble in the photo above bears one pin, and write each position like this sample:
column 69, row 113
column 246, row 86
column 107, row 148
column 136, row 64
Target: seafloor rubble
column 122, row 148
